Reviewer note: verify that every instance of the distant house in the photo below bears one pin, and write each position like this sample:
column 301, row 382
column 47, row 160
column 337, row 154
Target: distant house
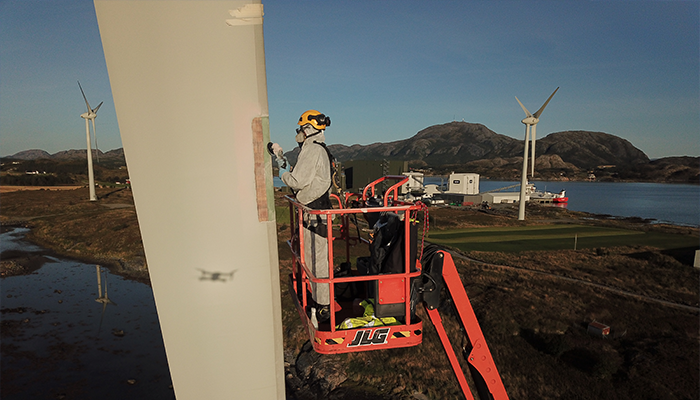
column 598, row 329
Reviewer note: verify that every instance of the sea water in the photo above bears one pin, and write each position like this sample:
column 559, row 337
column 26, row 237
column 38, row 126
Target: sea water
column 661, row 202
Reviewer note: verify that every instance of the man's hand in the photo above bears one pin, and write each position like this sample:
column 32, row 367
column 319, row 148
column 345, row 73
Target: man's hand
column 283, row 165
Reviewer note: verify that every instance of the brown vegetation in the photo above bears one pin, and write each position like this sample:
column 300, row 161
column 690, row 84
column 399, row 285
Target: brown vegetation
column 533, row 309
column 104, row 231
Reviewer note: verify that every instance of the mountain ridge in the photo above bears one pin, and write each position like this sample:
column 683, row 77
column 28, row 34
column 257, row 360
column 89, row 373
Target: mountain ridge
column 36, row 154
column 464, row 142
column 473, row 147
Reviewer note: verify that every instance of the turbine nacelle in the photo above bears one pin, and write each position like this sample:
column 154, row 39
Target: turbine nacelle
column 530, row 120
column 90, row 114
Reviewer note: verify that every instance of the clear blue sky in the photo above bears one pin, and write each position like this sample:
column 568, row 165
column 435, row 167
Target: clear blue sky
column 384, row 70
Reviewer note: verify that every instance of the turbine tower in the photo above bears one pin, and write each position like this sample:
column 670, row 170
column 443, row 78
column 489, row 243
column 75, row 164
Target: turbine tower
column 88, row 116
column 530, row 120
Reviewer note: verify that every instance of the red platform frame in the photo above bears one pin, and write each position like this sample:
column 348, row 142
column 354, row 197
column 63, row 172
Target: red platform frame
column 327, row 338
column 394, row 288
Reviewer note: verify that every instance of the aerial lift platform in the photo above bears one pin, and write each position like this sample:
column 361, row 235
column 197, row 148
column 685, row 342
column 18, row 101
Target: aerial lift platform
column 394, row 294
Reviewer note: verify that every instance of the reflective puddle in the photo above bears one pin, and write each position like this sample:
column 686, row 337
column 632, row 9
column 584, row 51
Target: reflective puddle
column 72, row 330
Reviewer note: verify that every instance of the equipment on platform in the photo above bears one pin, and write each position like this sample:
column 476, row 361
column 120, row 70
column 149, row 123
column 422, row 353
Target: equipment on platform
column 373, row 304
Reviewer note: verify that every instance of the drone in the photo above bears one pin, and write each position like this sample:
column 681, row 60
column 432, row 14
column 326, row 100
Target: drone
column 216, row 276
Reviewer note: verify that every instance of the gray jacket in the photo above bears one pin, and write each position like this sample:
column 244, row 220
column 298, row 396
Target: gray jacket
column 311, row 176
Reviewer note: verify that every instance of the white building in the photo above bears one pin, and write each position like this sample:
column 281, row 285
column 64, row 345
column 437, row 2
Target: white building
column 463, row 183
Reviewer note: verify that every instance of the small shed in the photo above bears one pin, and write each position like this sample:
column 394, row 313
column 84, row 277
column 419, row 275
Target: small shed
column 598, row 329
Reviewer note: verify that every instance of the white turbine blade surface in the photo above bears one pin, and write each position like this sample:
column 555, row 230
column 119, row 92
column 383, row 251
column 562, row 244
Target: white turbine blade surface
column 539, row 112
column 98, row 107
column 524, row 109
column 223, row 338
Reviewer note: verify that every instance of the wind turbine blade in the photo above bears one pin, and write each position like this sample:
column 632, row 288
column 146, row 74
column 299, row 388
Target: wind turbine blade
column 534, row 135
column 98, row 107
column 106, row 297
column 94, row 137
column 86, row 102
column 524, row 109
column 102, row 317
column 539, row 112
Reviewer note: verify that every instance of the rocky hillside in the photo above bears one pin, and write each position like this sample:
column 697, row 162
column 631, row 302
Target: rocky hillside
column 36, row 154
column 591, row 149
column 467, row 147
column 669, row 169
column 453, row 143
column 562, row 155
column 464, row 142
column 39, row 168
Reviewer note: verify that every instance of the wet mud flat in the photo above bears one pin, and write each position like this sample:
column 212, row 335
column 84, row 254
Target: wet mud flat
column 73, row 330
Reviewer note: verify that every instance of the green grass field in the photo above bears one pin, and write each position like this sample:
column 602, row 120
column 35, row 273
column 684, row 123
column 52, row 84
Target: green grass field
column 555, row 237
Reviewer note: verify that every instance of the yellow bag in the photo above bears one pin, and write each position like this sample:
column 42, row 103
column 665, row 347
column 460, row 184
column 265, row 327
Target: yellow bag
column 367, row 319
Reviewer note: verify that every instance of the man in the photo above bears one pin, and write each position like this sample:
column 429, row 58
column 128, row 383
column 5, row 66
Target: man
column 311, row 181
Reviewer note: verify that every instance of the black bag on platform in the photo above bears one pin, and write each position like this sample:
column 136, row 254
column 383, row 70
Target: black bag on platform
column 387, row 257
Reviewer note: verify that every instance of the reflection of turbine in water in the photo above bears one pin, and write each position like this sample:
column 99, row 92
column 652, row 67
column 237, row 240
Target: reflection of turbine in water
column 104, row 299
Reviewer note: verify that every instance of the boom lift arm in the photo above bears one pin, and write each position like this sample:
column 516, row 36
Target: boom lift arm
column 439, row 270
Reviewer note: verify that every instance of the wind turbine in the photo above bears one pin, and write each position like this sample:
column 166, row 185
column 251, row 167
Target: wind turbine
column 530, row 120
column 88, row 116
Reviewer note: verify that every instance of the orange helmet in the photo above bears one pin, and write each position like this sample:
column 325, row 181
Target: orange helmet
column 315, row 118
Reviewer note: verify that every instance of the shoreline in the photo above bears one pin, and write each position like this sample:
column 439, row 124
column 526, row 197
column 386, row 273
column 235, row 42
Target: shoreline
column 11, row 188
column 66, row 224
column 57, row 221
column 22, row 262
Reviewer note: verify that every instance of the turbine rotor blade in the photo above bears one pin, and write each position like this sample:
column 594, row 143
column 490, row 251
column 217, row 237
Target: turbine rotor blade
column 534, row 134
column 539, row 112
column 524, row 109
column 86, row 102
column 98, row 107
column 527, row 140
column 99, row 281
column 94, row 137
